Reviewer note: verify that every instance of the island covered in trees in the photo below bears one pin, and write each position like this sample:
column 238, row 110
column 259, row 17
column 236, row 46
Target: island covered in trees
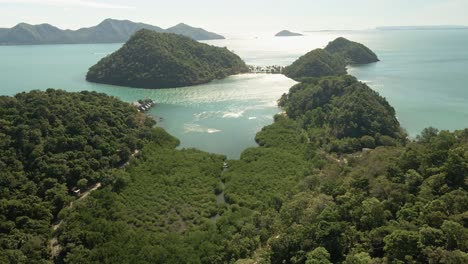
column 334, row 180
column 352, row 52
column 316, row 63
column 331, row 61
column 287, row 33
column 164, row 60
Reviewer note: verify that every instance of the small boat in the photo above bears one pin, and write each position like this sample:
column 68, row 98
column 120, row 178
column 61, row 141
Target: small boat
column 144, row 105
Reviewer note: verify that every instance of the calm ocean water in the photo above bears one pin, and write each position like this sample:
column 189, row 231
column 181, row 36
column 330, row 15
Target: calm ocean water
column 422, row 74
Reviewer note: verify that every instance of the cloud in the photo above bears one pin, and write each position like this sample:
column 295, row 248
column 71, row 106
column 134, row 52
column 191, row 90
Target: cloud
column 69, row 3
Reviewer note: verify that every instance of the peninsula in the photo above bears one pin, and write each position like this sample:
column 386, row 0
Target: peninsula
column 165, row 60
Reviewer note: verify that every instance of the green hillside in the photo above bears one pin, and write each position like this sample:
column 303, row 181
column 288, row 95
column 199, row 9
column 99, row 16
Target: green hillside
column 352, row 52
column 317, row 63
column 162, row 60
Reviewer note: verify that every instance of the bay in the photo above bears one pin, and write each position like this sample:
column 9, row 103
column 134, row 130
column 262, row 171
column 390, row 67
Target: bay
column 421, row 73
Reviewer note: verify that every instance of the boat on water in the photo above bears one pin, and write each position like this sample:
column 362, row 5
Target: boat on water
column 144, row 105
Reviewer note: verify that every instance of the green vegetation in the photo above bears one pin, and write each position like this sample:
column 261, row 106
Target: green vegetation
column 352, row 52
column 317, row 63
column 161, row 60
column 333, row 180
column 108, row 31
column 290, row 200
column 160, row 216
column 50, row 142
column 343, row 113
column 393, row 204
column 331, row 61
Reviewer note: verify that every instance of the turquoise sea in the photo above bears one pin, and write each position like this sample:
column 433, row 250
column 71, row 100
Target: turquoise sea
column 423, row 74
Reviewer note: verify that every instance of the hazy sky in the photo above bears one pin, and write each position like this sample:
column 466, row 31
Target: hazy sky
column 236, row 16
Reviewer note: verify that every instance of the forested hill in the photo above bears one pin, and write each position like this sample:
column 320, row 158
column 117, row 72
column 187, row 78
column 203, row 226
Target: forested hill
column 346, row 110
column 352, row 52
column 308, row 194
column 333, row 180
column 108, row 31
column 51, row 142
column 316, row 63
column 163, row 60
column 331, row 61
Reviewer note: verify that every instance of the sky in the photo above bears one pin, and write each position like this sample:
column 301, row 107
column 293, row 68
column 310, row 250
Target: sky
column 238, row 16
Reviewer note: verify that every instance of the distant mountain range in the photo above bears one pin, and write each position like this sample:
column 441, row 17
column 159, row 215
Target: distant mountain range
column 436, row 27
column 192, row 32
column 108, row 31
column 429, row 27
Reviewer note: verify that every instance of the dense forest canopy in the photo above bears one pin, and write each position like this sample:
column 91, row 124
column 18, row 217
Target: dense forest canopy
column 163, row 60
column 317, row 63
column 390, row 205
column 51, row 142
column 161, row 216
column 290, row 200
column 343, row 109
column 333, row 180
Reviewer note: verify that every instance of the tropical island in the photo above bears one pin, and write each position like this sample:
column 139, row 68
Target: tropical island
column 316, row 63
column 333, row 180
column 108, row 31
column 174, row 61
column 287, row 33
column 352, row 52
column 331, row 61
column 165, row 60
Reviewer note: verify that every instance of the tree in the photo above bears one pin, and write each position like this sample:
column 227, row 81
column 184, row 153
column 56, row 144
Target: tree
column 318, row 256
column 401, row 245
column 427, row 134
column 455, row 235
column 82, row 184
column 431, row 237
column 371, row 214
column 367, row 142
column 358, row 258
column 457, row 167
